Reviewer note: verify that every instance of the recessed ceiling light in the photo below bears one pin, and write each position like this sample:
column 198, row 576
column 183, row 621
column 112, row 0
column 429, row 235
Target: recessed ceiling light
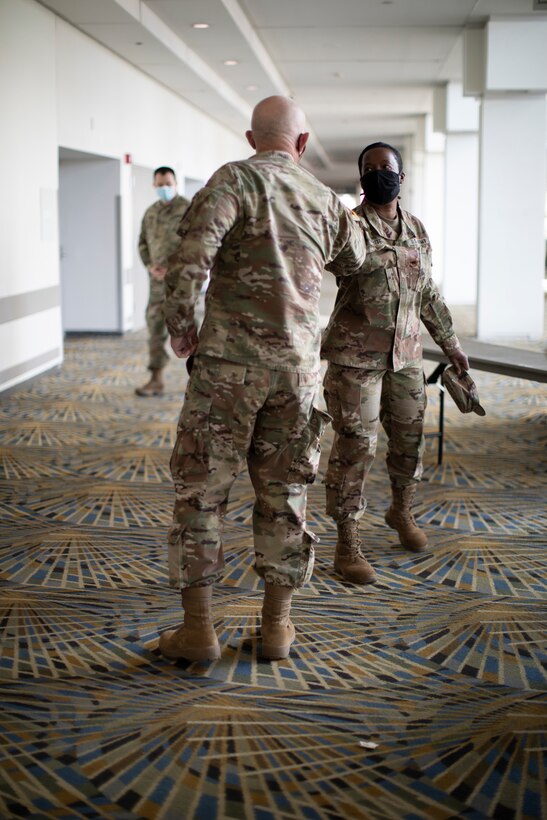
column 231, row 62
column 200, row 25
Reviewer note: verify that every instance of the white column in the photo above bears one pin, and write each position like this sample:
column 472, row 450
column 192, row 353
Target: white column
column 423, row 188
column 458, row 117
column 412, row 194
column 433, row 214
column 505, row 62
column 511, row 216
column 461, row 214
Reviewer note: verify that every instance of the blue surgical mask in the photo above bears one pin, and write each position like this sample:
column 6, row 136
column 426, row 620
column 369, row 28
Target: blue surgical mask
column 166, row 192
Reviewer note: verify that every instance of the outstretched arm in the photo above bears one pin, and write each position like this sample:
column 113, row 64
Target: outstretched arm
column 349, row 249
column 382, row 256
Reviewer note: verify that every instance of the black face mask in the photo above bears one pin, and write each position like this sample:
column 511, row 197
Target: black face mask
column 381, row 187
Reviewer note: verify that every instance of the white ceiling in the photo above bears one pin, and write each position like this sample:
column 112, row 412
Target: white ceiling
column 361, row 69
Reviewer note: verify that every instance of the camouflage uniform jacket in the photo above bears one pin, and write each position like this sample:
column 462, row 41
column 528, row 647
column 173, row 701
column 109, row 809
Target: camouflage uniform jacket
column 158, row 238
column 376, row 318
column 266, row 228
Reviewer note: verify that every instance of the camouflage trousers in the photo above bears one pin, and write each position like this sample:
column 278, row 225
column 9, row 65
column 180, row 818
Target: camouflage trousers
column 357, row 399
column 235, row 415
column 157, row 329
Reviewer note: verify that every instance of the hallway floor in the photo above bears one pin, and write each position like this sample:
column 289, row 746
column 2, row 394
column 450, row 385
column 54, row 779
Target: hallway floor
column 420, row 697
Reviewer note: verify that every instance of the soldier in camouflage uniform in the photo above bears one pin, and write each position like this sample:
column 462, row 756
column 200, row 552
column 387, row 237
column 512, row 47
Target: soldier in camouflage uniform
column 375, row 370
column 158, row 239
column 266, row 228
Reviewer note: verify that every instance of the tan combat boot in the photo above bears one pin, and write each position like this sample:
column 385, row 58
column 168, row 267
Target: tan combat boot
column 196, row 639
column 277, row 630
column 349, row 561
column 399, row 517
column 154, row 387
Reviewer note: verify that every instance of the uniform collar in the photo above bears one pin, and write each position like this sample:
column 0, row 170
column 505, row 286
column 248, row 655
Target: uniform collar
column 279, row 154
column 381, row 227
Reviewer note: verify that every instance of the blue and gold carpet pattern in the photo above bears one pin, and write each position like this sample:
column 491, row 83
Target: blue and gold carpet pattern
column 420, row 697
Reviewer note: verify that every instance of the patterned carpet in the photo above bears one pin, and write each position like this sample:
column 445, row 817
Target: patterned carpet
column 421, row 697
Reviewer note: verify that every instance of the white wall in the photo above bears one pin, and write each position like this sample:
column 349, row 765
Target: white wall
column 28, row 144
column 66, row 90
column 28, row 212
column 192, row 186
column 107, row 106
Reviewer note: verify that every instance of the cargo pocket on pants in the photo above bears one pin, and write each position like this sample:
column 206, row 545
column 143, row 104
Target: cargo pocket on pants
column 307, row 451
column 189, row 463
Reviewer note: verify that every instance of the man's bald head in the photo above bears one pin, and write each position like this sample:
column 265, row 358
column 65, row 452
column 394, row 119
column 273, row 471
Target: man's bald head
column 278, row 124
column 275, row 116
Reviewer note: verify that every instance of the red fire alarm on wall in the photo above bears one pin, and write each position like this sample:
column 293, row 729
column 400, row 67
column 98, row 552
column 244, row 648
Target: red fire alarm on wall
column 127, row 158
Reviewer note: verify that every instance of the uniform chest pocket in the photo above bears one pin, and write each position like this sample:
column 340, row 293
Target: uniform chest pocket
column 378, row 285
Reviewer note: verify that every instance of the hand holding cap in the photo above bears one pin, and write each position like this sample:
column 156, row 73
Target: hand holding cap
column 463, row 390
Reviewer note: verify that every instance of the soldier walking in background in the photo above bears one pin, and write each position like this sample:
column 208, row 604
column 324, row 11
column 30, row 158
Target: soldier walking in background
column 158, row 239
column 265, row 228
column 375, row 372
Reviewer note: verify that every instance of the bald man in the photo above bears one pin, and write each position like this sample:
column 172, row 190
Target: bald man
column 266, row 229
